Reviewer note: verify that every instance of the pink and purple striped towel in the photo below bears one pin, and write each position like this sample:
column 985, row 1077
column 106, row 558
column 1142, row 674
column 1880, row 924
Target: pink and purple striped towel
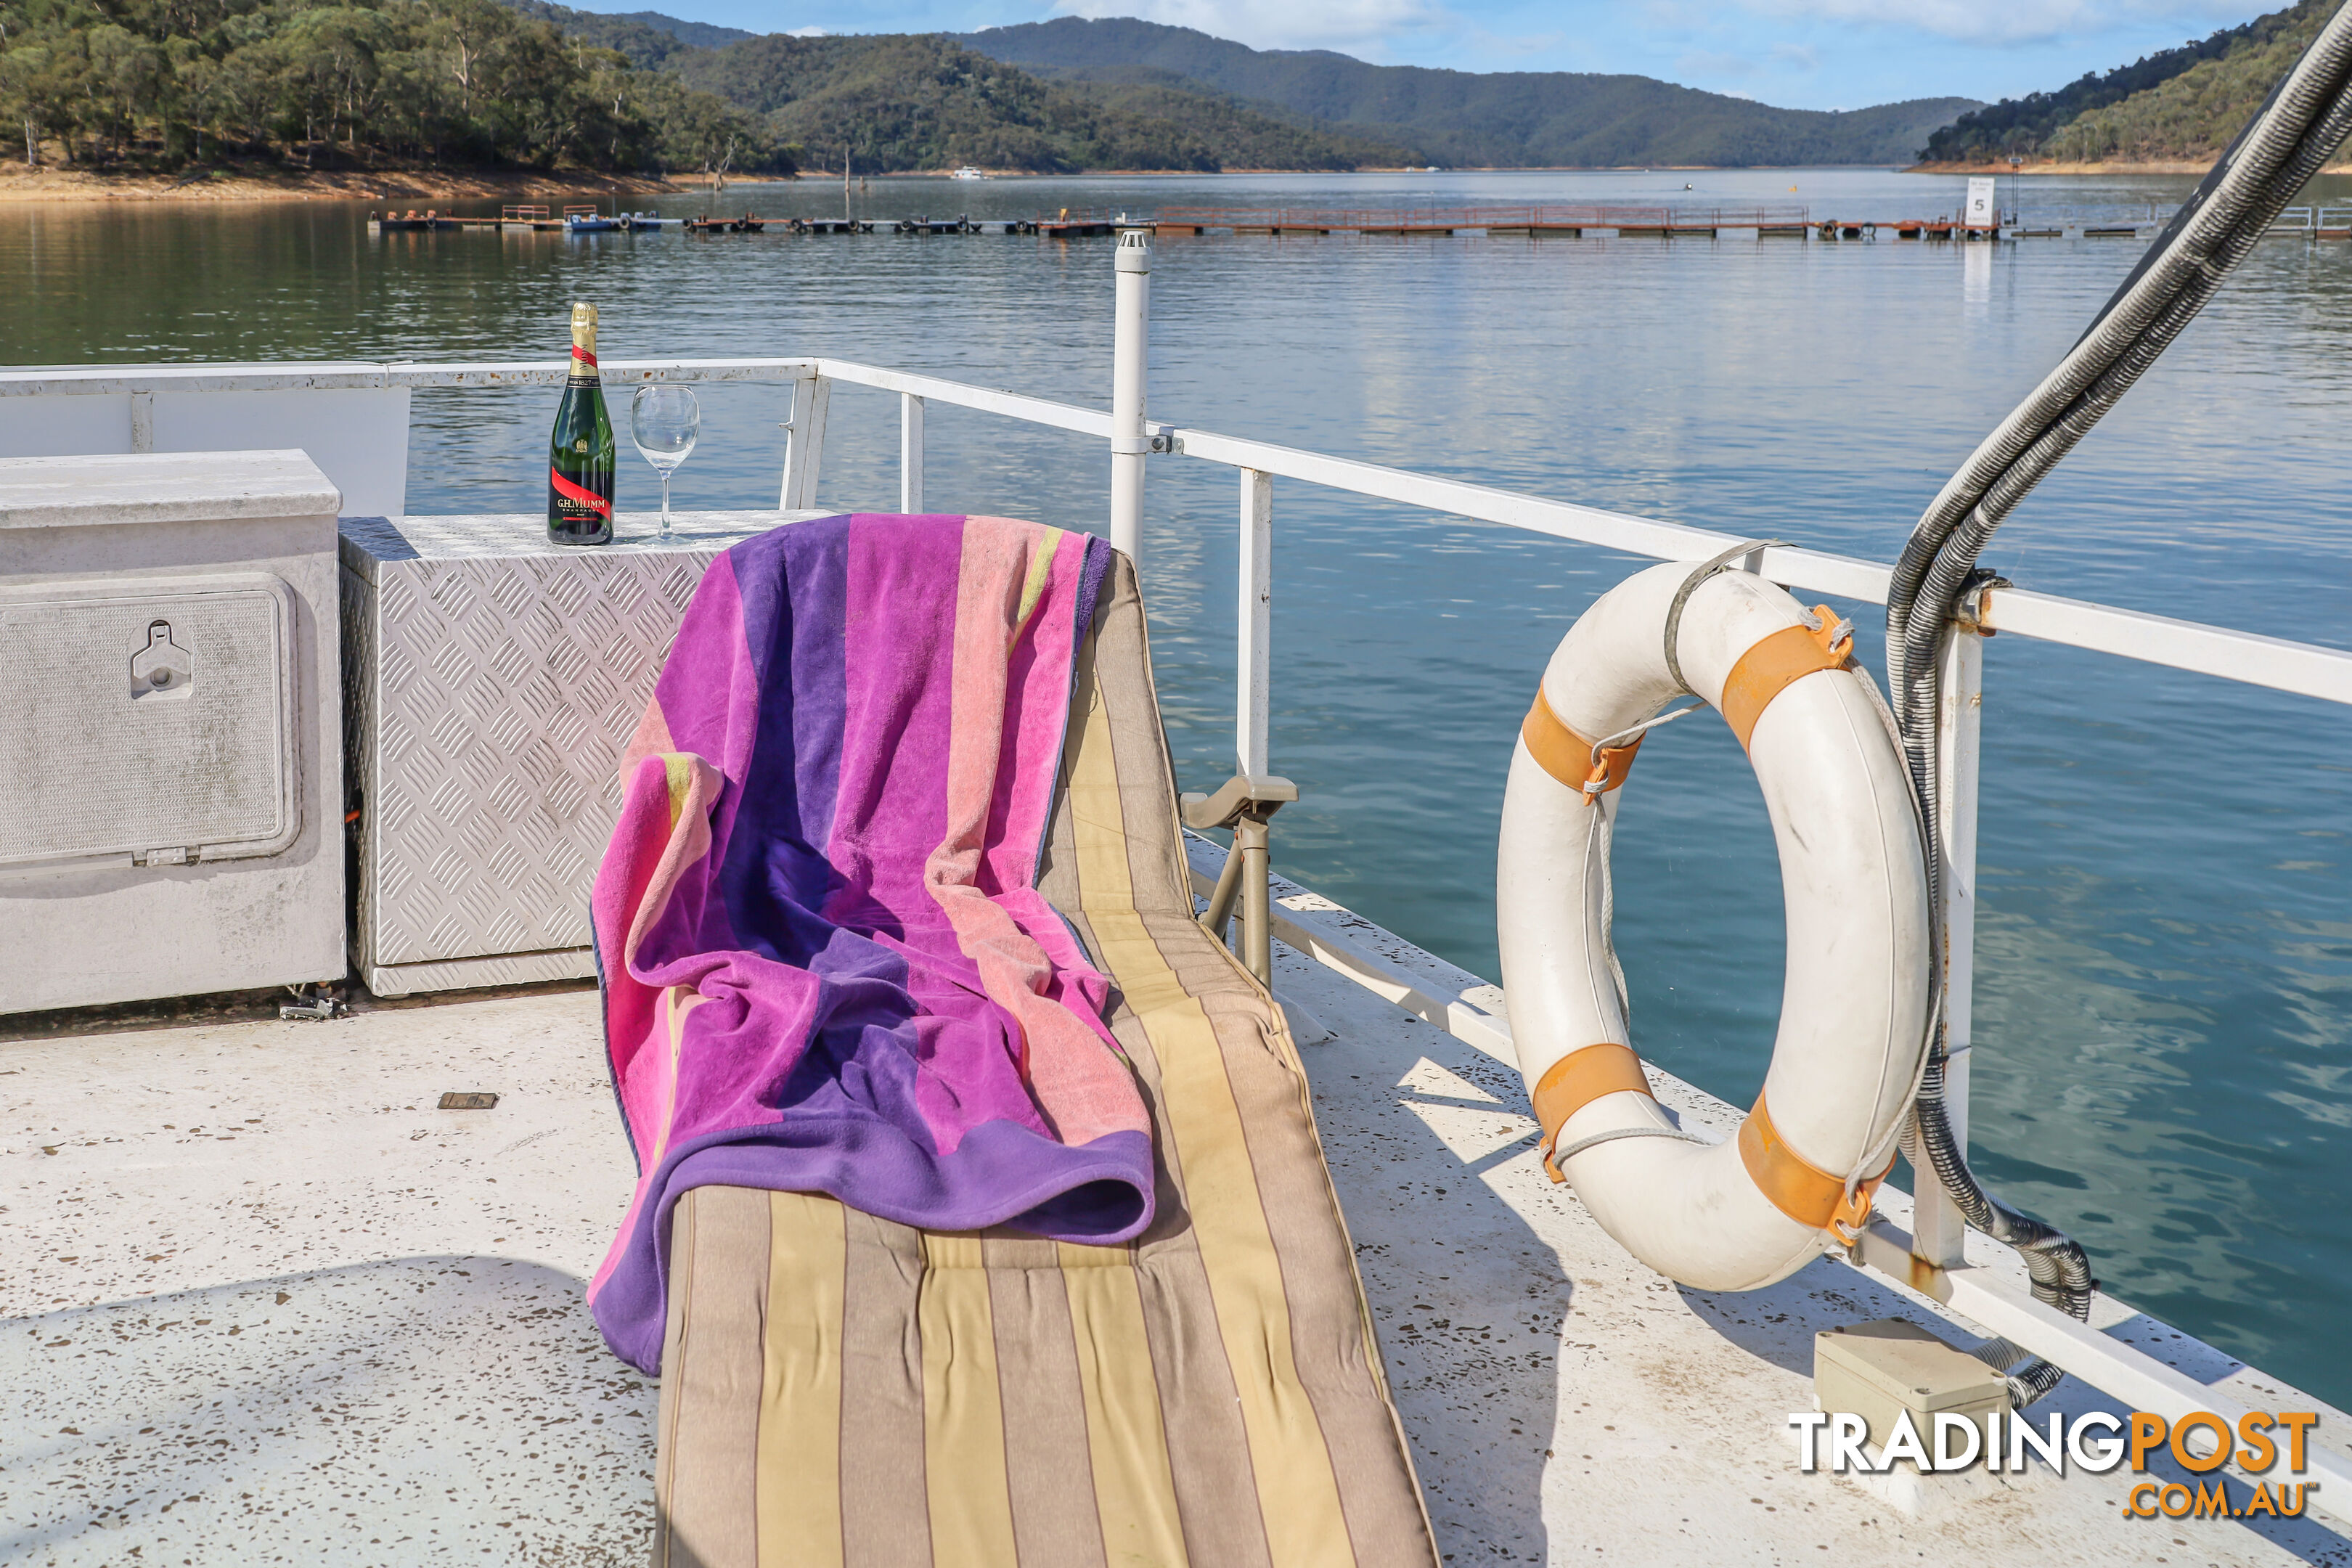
column 825, row 965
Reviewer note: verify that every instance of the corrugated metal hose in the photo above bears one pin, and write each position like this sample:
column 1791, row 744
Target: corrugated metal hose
column 2299, row 128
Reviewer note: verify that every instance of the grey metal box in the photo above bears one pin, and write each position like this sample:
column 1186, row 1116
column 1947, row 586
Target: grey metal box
column 1878, row 1370
column 491, row 681
column 169, row 727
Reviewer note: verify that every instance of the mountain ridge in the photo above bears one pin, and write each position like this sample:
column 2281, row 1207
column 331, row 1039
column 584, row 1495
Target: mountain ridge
column 1502, row 119
column 905, row 101
column 648, row 39
column 1073, row 94
column 694, row 35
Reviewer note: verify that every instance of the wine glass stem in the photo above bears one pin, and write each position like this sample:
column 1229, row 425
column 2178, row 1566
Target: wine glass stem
column 664, row 528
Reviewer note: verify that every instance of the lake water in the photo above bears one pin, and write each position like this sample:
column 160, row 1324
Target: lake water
column 2164, row 1001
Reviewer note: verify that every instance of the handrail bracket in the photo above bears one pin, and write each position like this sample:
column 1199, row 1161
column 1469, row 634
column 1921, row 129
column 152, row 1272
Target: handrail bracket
column 1245, row 804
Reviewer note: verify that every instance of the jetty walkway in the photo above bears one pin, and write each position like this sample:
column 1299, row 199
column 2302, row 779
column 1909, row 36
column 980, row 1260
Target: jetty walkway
column 1533, row 222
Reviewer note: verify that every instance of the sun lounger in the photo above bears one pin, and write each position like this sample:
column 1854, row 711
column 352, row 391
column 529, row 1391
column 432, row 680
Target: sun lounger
column 840, row 1389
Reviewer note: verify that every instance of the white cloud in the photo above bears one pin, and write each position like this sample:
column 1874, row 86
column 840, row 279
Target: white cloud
column 1345, row 25
column 808, row 32
column 1973, row 22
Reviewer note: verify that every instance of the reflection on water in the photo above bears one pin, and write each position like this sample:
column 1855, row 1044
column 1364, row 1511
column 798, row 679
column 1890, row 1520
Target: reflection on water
column 2166, row 961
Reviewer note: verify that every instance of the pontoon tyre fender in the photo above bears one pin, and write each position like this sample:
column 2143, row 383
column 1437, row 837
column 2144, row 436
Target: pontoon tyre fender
column 1798, row 1177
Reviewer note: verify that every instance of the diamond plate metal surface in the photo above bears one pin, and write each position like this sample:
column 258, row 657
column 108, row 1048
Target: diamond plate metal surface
column 492, row 680
column 473, row 973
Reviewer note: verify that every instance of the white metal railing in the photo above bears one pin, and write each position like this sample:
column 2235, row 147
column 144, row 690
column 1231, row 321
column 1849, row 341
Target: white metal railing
column 1929, row 1257
column 2312, row 220
column 2252, row 657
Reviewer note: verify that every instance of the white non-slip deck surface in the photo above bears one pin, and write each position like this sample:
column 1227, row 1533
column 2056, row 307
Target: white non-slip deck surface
column 263, row 1303
column 1567, row 1406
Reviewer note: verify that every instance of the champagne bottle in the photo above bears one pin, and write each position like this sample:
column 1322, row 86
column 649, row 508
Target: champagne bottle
column 582, row 456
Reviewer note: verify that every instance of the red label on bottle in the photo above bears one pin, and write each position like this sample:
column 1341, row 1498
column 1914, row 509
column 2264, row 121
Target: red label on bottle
column 578, row 495
column 584, row 356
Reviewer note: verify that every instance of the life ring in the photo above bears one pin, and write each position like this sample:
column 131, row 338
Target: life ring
column 1800, row 1177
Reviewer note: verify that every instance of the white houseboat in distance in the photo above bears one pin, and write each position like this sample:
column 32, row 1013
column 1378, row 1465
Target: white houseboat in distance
column 968, row 172
column 315, row 1286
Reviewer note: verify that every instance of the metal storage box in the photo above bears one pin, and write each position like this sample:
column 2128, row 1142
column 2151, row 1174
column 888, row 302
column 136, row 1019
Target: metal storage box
column 492, row 681
column 170, row 735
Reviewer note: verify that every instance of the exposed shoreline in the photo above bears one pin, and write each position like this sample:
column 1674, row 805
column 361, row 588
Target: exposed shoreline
column 406, row 186
column 409, row 187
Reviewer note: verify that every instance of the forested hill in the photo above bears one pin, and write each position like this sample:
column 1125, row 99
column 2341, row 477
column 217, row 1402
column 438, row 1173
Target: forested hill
column 646, row 37
column 1502, row 119
column 376, row 84
column 343, row 84
column 2174, row 105
column 907, row 101
column 696, row 34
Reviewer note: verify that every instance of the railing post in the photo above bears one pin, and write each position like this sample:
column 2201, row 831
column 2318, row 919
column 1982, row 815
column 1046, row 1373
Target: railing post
column 804, row 441
column 1937, row 1231
column 911, row 452
column 1254, row 649
column 1130, row 357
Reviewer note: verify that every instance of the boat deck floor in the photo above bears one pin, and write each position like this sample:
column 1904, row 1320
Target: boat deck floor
column 263, row 1302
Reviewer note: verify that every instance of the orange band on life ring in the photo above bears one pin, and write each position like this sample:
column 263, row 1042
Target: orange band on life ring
column 1568, row 756
column 1778, row 662
column 1797, row 1187
column 1579, row 1079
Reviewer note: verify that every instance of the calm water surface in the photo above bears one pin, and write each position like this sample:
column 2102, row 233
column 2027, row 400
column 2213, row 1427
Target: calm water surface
column 2164, row 1003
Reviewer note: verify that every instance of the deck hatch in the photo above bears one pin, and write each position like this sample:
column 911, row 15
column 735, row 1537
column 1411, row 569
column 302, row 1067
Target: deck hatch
column 153, row 721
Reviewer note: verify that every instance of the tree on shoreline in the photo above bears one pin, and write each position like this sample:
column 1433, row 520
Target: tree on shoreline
column 23, row 89
column 160, row 83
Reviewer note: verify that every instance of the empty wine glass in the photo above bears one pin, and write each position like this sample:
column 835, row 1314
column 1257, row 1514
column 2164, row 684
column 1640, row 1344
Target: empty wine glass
column 664, row 420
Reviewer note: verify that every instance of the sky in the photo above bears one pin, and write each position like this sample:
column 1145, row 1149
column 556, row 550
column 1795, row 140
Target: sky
column 1801, row 53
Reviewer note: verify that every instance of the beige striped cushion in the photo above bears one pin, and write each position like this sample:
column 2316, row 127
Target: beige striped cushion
column 839, row 1389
